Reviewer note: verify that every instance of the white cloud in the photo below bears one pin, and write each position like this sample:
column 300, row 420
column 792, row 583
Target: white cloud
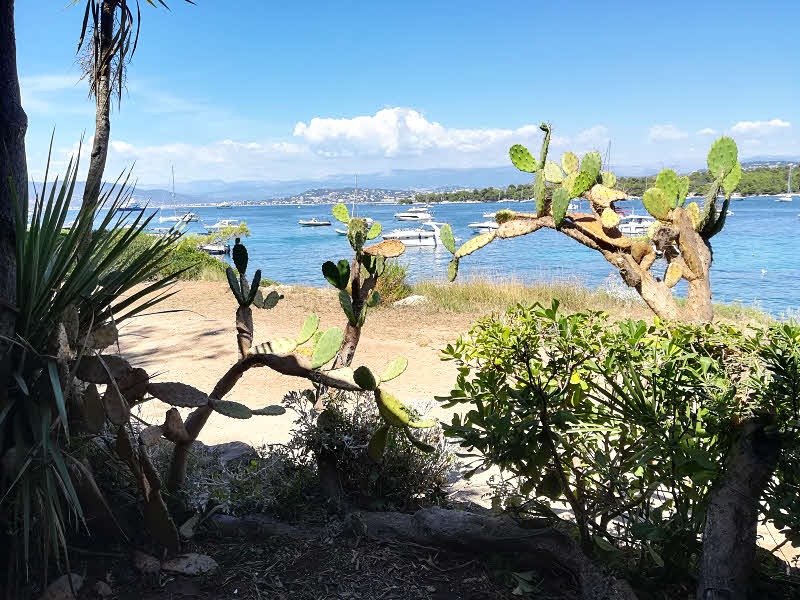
column 666, row 133
column 759, row 128
column 707, row 131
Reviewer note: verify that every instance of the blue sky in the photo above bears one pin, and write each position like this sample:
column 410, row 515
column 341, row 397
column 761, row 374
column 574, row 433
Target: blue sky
column 262, row 91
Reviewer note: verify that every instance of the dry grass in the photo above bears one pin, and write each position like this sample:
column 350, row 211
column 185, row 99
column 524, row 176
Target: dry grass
column 485, row 293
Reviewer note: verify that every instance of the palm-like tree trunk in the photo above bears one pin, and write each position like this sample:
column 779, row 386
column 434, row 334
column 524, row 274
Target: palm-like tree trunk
column 102, row 131
column 13, row 125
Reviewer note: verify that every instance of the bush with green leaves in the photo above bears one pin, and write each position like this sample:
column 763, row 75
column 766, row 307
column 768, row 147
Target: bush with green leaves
column 403, row 479
column 639, row 429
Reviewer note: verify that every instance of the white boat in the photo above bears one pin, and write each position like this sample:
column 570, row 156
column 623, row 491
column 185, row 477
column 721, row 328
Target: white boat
column 634, row 225
column 419, row 214
column 574, row 207
column 341, row 231
column 221, row 224
column 216, row 248
column 313, row 222
column 426, row 235
column 787, row 197
column 489, row 215
column 188, row 217
column 484, row 225
column 224, row 205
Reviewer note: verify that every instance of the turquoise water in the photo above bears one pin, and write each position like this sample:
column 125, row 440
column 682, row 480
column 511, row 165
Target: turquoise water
column 755, row 255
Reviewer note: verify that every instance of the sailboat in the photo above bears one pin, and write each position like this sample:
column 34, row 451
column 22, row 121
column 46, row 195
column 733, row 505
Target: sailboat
column 176, row 218
column 369, row 221
column 787, row 197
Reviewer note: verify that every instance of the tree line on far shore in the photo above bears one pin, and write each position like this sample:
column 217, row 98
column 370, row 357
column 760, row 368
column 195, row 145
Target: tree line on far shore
column 758, row 181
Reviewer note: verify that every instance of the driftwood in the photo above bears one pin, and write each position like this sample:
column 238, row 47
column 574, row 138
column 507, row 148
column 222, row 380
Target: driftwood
column 459, row 531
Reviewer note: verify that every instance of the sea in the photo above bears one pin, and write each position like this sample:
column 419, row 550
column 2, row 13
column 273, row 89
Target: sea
column 756, row 255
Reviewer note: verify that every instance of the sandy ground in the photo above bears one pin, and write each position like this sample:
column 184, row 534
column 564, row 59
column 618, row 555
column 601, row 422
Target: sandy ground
column 198, row 344
column 191, row 338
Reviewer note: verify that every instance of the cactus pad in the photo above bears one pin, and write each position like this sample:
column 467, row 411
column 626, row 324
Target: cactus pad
column 346, row 303
column 552, row 172
column 523, row 159
column 270, row 301
column 178, row 394
column 518, row 227
column 609, row 218
column 503, row 216
column 673, row 274
column 387, row 249
column 560, row 204
column 667, row 181
column 273, row 410
column 732, row 179
column 232, row 409
column 591, row 164
column 254, row 287
column 656, row 203
column 608, row 179
column 337, row 274
column 683, row 189
column 604, row 196
column 395, row 368
column 240, row 257
column 722, row 157
column 583, row 181
column 397, row 414
column 474, row 244
column 309, row 328
column 693, row 210
column 365, row 379
column 357, row 233
column 446, row 233
column 539, row 192
column 341, row 213
column 326, row 347
column 374, row 299
column 452, row 269
column 418, row 444
column 651, row 230
column 233, row 282
column 374, row 231
column 569, row 162
column 377, row 443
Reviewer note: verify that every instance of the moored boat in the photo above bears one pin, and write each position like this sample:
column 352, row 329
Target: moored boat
column 313, row 222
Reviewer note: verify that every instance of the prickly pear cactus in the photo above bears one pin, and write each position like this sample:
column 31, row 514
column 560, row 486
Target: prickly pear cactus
column 656, row 203
column 560, row 205
column 240, row 256
column 522, row 159
column 569, row 162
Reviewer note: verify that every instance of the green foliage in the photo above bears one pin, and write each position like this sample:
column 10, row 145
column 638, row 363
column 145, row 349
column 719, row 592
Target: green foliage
column 392, row 285
column 448, row 240
column 365, row 379
column 569, row 162
column 395, row 368
column 656, row 202
column 374, row 231
column 452, row 269
column 69, row 284
column 552, row 172
column 476, row 243
column 399, row 476
column 606, row 416
column 232, row 409
column 309, row 328
column 722, row 157
column 667, row 181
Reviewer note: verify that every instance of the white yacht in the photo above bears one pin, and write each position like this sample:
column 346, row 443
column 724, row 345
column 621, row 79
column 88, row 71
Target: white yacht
column 131, row 205
column 221, row 224
column 633, row 225
column 489, row 215
column 426, row 235
column 224, row 205
column 313, row 222
column 420, row 214
column 787, row 197
column 484, row 226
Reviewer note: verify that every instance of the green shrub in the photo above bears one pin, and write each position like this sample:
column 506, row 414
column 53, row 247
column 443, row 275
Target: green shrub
column 404, row 479
column 392, row 285
column 627, row 423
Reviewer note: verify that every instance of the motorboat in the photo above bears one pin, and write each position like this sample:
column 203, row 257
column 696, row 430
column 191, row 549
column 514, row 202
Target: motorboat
column 426, row 235
column 419, row 214
column 224, row 205
column 574, row 207
column 221, row 224
column 341, row 231
column 188, row 217
column 313, row 222
column 216, row 248
column 489, row 215
column 484, row 225
column 634, row 225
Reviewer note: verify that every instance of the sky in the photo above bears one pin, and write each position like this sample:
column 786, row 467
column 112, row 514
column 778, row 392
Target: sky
column 272, row 91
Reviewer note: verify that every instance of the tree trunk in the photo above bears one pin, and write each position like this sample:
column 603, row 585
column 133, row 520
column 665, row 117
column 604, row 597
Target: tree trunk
column 13, row 125
column 729, row 540
column 102, row 128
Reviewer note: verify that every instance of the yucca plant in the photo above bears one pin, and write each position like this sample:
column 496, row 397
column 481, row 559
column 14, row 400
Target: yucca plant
column 74, row 287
